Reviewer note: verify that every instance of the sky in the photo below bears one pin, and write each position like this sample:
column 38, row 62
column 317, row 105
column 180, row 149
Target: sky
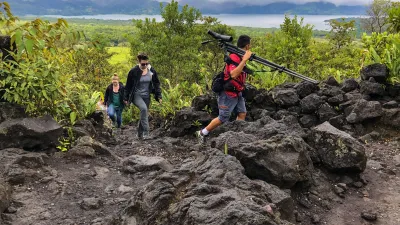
column 264, row 2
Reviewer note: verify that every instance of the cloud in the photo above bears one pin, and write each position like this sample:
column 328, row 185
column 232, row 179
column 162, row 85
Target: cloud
column 265, row 2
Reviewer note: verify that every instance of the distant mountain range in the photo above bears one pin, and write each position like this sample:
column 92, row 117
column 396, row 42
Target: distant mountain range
column 149, row 7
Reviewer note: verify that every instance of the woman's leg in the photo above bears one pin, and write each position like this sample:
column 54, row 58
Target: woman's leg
column 111, row 112
column 119, row 117
column 144, row 119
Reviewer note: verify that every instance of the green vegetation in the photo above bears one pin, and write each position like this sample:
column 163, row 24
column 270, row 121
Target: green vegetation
column 62, row 68
column 384, row 48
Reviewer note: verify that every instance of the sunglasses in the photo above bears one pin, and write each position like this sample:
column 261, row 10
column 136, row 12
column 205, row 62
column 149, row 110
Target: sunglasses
column 144, row 64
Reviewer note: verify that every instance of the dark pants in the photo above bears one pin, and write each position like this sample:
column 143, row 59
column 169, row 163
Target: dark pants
column 143, row 104
column 115, row 114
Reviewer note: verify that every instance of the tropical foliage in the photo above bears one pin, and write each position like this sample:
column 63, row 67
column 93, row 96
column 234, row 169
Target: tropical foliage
column 60, row 70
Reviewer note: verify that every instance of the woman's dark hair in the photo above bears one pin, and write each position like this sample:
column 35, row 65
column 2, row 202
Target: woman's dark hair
column 142, row 56
column 243, row 40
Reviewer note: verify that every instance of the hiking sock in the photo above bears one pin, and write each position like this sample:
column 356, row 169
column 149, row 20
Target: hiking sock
column 205, row 132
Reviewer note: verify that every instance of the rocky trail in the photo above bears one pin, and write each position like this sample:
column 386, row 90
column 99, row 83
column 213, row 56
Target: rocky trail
column 379, row 195
column 72, row 190
column 307, row 154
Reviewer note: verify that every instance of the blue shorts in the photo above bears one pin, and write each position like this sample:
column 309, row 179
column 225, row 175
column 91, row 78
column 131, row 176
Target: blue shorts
column 227, row 105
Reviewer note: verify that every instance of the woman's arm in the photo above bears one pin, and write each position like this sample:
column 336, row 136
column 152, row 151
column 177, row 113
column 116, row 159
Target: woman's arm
column 157, row 85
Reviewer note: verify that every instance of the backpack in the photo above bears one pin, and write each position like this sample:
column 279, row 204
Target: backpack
column 218, row 82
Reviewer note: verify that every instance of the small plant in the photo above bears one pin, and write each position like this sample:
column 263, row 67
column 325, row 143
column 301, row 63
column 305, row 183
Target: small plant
column 64, row 145
column 207, row 109
column 196, row 123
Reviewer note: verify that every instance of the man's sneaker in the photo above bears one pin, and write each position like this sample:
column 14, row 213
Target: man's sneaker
column 201, row 137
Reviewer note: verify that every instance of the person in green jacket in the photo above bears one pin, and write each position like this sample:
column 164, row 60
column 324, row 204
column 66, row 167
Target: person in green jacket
column 114, row 100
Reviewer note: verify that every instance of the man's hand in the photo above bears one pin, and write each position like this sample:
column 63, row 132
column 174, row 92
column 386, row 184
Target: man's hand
column 247, row 56
column 160, row 100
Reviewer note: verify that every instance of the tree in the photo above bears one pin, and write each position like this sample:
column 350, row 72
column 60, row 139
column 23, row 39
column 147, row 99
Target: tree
column 173, row 44
column 289, row 46
column 377, row 14
column 394, row 18
column 37, row 77
column 342, row 32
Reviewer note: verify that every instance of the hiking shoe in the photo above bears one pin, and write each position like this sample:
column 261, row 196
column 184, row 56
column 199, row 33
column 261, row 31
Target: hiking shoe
column 201, row 138
column 146, row 136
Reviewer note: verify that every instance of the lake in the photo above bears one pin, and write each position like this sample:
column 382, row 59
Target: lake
column 263, row 21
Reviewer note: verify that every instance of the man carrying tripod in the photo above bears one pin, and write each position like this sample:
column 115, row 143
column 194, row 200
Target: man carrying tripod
column 231, row 98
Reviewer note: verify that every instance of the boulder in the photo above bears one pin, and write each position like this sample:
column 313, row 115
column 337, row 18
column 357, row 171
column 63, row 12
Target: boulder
column 336, row 100
column 326, row 112
column 373, row 136
column 82, row 151
column 280, row 114
column 305, row 88
column 250, row 92
column 30, row 133
column 102, row 124
column 230, row 140
column 349, row 85
column 391, row 105
column 393, row 90
column 337, row 150
column 11, row 111
column 332, row 81
column 378, row 71
column 391, row 117
column 265, row 127
column 308, row 121
column 337, row 121
column 364, row 110
column 137, row 163
column 285, row 97
column 311, row 103
column 187, row 121
column 210, row 189
column 205, row 102
column 372, row 89
column 257, row 113
column 84, row 145
column 280, row 160
column 296, row 110
column 264, row 100
column 84, row 128
column 330, row 91
column 353, row 97
column 98, row 117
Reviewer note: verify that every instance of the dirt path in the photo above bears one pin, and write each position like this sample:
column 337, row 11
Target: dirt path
column 76, row 190
column 381, row 196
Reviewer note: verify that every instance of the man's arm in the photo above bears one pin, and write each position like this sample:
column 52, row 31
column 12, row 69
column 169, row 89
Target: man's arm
column 239, row 69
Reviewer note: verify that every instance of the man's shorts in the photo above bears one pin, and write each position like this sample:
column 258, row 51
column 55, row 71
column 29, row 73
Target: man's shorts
column 227, row 105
